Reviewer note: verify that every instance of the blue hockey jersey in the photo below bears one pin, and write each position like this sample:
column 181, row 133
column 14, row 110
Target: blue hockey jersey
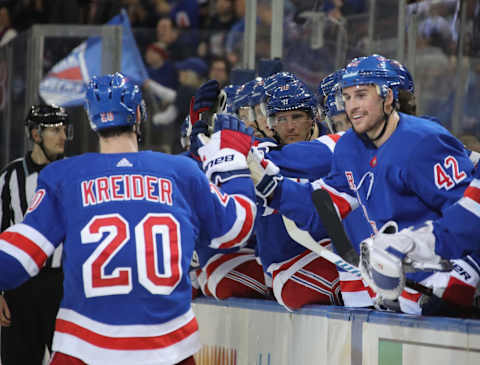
column 129, row 223
column 413, row 177
column 457, row 233
column 301, row 162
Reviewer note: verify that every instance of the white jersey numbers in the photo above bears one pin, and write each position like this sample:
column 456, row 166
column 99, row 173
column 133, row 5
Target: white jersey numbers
column 97, row 282
column 444, row 179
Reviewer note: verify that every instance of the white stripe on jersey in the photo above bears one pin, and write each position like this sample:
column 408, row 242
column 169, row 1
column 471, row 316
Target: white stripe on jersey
column 97, row 348
column 244, row 220
column 21, row 256
column 475, row 183
column 350, row 200
column 328, row 140
column 33, row 235
column 471, row 205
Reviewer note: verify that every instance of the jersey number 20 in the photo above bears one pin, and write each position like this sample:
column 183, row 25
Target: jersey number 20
column 97, row 282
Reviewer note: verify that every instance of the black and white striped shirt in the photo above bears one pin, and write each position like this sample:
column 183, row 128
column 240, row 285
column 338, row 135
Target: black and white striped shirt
column 18, row 182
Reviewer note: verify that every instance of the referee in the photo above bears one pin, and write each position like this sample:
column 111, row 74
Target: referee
column 27, row 313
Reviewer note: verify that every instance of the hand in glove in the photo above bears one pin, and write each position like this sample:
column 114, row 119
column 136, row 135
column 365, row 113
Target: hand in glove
column 204, row 100
column 224, row 155
column 265, row 174
column 385, row 258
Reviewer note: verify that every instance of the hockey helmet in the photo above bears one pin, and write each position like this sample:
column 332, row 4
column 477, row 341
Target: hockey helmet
column 112, row 101
column 48, row 116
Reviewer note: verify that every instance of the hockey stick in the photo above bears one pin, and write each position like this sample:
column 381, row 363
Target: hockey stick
column 219, row 106
column 305, row 239
column 334, row 227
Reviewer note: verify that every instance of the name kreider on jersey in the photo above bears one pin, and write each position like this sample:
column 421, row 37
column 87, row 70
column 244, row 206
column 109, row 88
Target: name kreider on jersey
column 123, row 187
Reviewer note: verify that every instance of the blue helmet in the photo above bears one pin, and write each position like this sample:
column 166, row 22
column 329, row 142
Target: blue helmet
column 112, row 101
column 276, row 80
column 334, row 103
column 242, row 96
column 374, row 69
column 329, row 93
column 185, row 132
column 291, row 96
column 329, row 81
column 406, row 79
column 257, row 96
column 230, row 91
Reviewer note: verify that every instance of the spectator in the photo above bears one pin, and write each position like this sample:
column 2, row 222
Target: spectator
column 179, row 45
column 185, row 13
column 7, row 32
column 220, row 23
column 219, row 70
column 233, row 40
column 160, row 68
column 139, row 13
column 192, row 72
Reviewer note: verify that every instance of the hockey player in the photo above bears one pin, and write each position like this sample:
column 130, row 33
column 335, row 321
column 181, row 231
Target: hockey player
column 394, row 166
column 226, row 273
column 299, row 276
column 331, row 102
column 289, row 124
column 455, row 236
column 27, row 332
column 128, row 221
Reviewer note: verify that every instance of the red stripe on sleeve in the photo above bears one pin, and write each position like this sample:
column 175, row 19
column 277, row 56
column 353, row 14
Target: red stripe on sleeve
column 27, row 246
column 334, row 137
column 342, row 204
column 472, row 193
column 247, row 224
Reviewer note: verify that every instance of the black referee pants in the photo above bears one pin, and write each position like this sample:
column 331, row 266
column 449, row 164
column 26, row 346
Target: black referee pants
column 33, row 307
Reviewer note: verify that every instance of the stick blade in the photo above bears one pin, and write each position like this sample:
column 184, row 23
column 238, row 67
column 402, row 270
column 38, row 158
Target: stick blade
column 334, row 227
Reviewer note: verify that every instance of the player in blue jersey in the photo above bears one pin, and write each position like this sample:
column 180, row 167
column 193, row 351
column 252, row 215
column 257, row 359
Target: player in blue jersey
column 230, row 273
column 128, row 221
column 299, row 276
column 391, row 165
column 355, row 292
column 386, row 257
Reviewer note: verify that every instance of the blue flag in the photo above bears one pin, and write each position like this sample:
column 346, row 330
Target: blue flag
column 66, row 83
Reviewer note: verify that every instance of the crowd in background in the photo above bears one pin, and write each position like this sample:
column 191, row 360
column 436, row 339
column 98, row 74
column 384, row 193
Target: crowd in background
column 209, row 34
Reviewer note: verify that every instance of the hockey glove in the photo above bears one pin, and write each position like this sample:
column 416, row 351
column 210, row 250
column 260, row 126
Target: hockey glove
column 204, row 100
column 198, row 137
column 265, row 174
column 385, row 258
column 224, row 156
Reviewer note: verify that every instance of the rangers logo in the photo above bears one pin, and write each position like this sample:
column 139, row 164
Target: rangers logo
column 37, row 199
